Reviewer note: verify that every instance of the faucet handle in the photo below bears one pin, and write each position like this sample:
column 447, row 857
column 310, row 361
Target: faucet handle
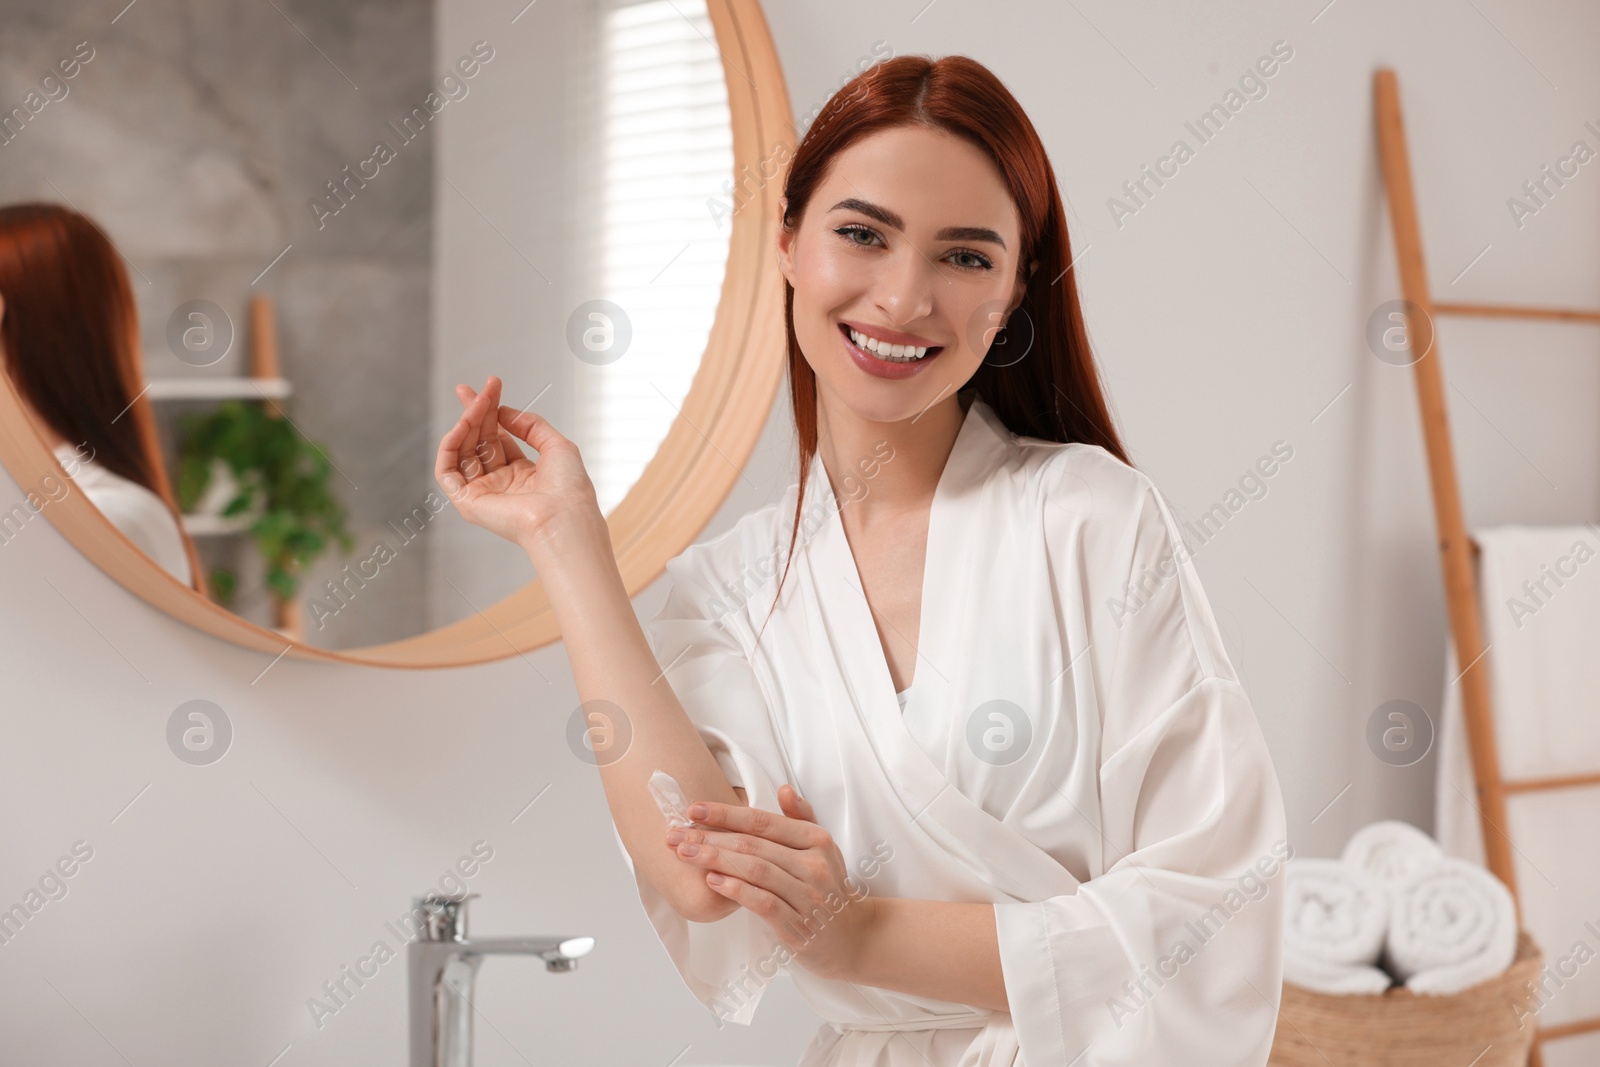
column 444, row 918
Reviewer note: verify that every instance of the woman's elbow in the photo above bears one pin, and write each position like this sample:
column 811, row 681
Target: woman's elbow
column 703, row 906
column 686, row 892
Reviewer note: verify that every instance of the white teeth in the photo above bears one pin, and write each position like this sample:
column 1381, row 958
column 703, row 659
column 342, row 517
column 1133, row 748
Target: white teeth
column 885, row 351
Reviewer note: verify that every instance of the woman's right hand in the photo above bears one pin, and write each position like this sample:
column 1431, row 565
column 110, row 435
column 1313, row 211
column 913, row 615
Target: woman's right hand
column 485, row 474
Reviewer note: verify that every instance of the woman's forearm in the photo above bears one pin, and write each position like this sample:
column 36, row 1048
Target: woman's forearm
column 939, row 949
column 612, row 661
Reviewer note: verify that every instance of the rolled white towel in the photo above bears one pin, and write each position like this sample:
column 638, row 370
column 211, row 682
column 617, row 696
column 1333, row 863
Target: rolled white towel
column 1341, row 978
column 1391, row 850
column 1453, row 925
column 1335, row 919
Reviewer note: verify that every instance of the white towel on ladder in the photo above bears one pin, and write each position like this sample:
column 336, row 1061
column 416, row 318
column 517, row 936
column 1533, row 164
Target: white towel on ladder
column 1540, row 591
column 1545, row 685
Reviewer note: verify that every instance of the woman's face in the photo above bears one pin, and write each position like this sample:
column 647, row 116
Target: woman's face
column 911, row 239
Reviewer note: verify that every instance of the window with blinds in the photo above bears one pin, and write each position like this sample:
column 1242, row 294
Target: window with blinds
column 665, row 149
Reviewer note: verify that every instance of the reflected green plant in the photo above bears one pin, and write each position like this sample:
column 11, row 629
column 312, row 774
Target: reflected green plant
column 283, row 479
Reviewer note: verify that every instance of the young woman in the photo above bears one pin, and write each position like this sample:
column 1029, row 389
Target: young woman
column 69, row 340
column 966, row 753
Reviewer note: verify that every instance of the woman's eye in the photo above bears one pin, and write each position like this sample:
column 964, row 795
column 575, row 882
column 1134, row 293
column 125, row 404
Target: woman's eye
column 971, row 260
column 857, row 235
column 865, row 237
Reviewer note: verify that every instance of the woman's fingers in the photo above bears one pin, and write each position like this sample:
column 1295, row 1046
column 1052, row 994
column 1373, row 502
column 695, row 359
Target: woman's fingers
column 447, row 462
column 506, row 440
column 508, row 447
column 794, row 805
column 526, row 426
column 772, row 908
column 470, row 454
column 486, row 447
column 489, row 451
column 476, row 444
column 752, row 859
column 490, row 435
column 793, row 862
column 758, row 822
column 521, row 425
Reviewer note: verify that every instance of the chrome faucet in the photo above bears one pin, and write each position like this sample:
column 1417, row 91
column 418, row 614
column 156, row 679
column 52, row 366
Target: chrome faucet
column 442, row 965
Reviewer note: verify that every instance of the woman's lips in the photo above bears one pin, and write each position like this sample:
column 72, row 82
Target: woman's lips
column 882, row 368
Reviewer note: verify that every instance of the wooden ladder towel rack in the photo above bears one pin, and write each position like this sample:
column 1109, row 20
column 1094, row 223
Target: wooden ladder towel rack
column 1456, row 550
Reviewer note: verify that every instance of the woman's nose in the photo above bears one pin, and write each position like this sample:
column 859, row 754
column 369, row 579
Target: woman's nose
column 905, row 291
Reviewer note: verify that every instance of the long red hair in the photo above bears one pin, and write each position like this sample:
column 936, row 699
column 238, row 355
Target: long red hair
column 1054, row 392
column 70, row 331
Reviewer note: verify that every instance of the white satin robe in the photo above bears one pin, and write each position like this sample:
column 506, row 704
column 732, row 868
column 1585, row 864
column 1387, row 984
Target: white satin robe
column 1140, row 812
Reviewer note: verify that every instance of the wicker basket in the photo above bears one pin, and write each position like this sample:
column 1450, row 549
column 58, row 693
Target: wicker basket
column 1399, row 1028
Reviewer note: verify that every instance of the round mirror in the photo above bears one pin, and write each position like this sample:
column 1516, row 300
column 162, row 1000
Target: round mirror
column 578, row 198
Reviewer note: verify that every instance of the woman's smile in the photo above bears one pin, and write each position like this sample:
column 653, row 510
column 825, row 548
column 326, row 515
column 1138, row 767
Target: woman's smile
column 887, row 353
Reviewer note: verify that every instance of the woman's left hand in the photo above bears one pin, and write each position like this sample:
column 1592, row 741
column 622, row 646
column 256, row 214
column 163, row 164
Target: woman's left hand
column 788, row 871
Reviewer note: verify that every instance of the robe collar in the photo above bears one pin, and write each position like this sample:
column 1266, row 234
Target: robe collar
column 982, row 445
column 983, row 448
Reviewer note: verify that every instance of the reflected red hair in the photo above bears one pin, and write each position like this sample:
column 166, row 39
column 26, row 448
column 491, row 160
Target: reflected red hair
column 1053, row 392
column 70, row 332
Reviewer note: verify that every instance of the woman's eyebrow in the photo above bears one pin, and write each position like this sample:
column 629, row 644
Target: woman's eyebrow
column 890, row 219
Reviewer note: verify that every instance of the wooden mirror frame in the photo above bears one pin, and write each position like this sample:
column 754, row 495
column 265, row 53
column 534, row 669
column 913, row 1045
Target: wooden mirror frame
column 681, row 487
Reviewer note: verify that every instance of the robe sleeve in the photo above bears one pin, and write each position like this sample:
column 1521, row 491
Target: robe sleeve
column 1174, row 953
column 696, row 639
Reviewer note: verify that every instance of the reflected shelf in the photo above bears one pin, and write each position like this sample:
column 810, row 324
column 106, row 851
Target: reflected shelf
column 217, row 525
column 236, row 388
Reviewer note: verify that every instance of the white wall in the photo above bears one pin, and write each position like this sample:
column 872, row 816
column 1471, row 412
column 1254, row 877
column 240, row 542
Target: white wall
column 1227, row 314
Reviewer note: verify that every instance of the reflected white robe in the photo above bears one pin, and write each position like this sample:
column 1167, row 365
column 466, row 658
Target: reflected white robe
column 1133, row 845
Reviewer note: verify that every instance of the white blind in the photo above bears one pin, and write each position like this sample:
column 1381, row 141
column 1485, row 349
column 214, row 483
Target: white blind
column 666, row 149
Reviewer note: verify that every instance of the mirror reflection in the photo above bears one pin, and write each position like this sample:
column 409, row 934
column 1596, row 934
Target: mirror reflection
column 242, row 271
